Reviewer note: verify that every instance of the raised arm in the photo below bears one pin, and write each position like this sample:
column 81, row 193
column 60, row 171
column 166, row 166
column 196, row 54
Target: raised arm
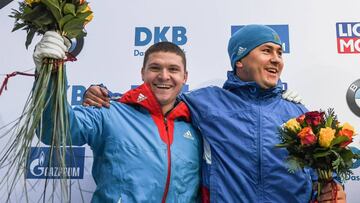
column 85, row 123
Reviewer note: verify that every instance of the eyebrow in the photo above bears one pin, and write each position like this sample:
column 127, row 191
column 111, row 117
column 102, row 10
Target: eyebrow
column 154, row 64
column 273, row 47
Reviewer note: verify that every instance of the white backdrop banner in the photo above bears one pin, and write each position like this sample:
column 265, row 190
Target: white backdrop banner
column 321, row 45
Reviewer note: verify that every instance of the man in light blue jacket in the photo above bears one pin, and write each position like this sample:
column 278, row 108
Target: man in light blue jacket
column 144, row 146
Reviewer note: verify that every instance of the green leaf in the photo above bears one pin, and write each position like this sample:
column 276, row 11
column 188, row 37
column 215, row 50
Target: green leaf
column 81, row 8
column 54, row 7
column 69, row 9
column 18, row 26
column 45, row 20
column 282, row 145
column 338, row 140
column 31, row 14
column 64, row 20
column 84, row 15
column 293, row 165
column 29, row 37
column 322, row 154
column 76, row 34
column 74, row 27
column 329, row 121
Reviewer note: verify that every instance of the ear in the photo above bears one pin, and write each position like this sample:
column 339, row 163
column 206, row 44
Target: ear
column 238, row 64
column 185, row 77
column 238, row 67
column 142, row 73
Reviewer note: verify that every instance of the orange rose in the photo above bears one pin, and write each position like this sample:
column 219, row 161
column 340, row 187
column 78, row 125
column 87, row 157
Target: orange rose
column 301, row 119
column 307, row 136
column 348, row 131
column 347, row 126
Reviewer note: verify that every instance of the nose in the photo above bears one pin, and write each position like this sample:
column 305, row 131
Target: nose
column 164, row 74
column 276, row 58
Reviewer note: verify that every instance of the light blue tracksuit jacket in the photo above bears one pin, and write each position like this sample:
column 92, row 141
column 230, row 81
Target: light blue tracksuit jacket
column 139, row 154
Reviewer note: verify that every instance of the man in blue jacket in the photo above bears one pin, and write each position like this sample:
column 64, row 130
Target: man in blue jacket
column 239, row 124
column 240, row 121
column 144, row 146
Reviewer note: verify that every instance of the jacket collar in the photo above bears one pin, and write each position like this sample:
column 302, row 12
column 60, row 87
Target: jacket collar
column 235, row 84
column 144, row 97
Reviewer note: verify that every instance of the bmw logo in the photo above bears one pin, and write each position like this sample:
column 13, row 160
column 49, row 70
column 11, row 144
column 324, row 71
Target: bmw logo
column 353, row 97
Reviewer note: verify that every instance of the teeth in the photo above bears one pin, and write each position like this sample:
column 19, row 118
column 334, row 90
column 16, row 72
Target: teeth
column 272, row 70
column 162, row 86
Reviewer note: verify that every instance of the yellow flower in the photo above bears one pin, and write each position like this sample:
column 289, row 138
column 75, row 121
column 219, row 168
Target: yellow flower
column 29, row 2
column 326, row 135
column 347, row 126
column 293, row 125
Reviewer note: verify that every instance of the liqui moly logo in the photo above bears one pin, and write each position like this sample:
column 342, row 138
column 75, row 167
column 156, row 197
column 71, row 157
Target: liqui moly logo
column 348, row 37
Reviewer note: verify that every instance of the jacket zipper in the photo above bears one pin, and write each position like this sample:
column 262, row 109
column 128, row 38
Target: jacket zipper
column 169, row 164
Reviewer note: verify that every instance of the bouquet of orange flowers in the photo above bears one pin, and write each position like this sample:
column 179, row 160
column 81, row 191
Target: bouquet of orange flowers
column 68, row 18
column 317, row 140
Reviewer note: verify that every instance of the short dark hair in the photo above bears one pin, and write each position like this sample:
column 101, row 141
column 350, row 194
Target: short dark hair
column 165, row 47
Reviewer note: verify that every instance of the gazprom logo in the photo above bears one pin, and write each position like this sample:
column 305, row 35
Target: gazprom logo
column 39, row 165
column 348, row 37
column 150, row 35
column 282, row 30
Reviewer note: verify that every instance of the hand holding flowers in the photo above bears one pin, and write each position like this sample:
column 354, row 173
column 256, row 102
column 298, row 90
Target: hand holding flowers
column 59, row 19
column 317, row 140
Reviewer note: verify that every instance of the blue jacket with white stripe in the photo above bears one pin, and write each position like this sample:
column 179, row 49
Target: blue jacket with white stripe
column 139, row 154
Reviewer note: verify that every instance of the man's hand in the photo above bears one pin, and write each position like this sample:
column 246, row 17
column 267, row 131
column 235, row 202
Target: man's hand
column 327, row 194
column 96, row 96
column 51, row 45
column 292, row 96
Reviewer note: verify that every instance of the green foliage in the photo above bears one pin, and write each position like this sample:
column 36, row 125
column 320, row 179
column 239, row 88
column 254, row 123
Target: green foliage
column 65, row 16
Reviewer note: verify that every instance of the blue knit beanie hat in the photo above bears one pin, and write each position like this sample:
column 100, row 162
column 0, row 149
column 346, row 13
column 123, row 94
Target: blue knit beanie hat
column 248, row 38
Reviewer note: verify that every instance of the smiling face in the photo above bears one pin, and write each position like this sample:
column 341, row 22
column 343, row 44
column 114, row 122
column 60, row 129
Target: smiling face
column 262, row 65
column 166, row 75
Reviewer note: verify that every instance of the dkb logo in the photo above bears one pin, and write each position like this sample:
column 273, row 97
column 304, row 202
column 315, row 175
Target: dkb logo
column 144, row 35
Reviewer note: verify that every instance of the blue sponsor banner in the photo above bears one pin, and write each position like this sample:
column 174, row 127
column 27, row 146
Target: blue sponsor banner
column 38, row 166
column 282, row 30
